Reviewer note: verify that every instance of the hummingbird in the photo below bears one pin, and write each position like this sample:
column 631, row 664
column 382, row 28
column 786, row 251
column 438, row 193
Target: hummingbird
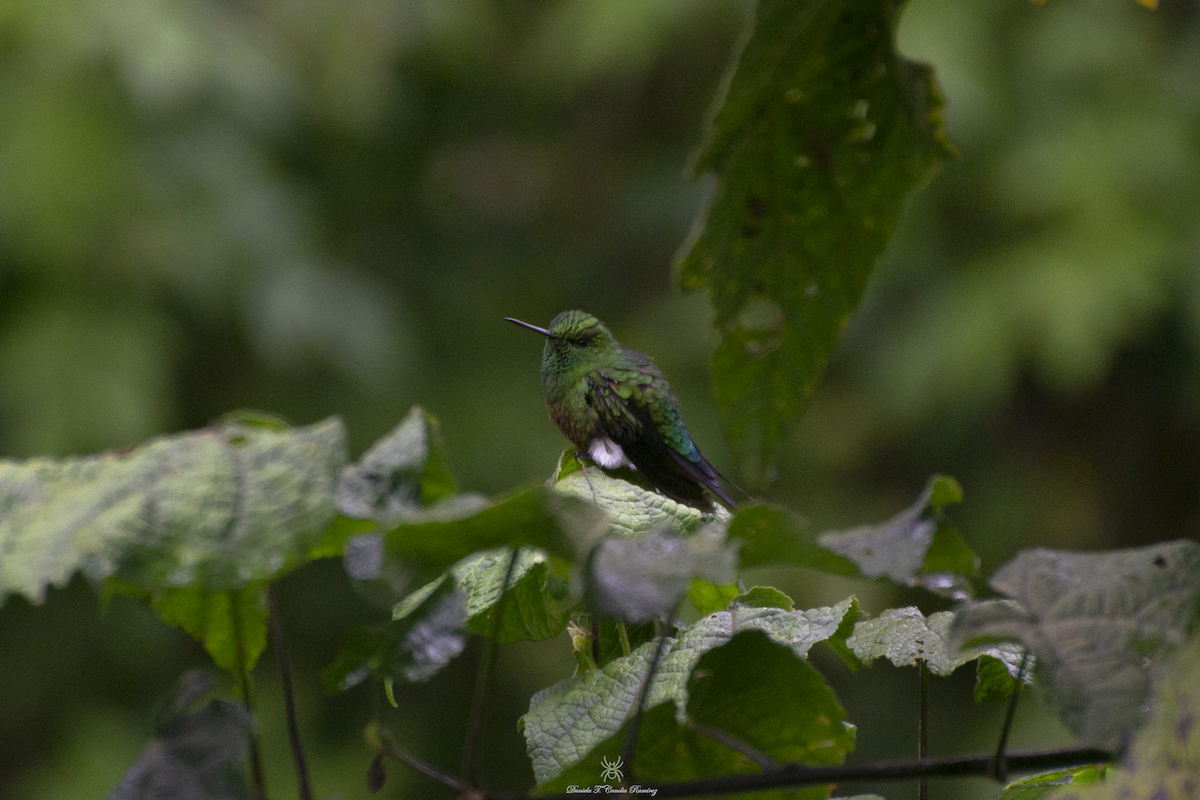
column 615, row 406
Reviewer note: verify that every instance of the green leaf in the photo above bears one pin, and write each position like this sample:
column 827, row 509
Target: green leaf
column 773, row 535
column 217, row 619
column 566, row 520
column 567, row 721
column 764, row 597
column 1095, row 621
column 200, row 756
column 399, row 475
column 429, row 627
column 994, row 679
column 640, row 578
column 708, row 597
column 782, row 708
column 220, row 507
column 1163, row 763
column 536, row 605
column 905, row 636
column 913, row 548
column 823, row 132
column 449, row 531
column 1034, row 787
column 631, row 508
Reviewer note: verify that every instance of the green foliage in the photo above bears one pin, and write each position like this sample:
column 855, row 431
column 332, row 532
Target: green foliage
column 569, row 720
column 822, row 133
column 1094, row 622
column 402, row 472
column 219, row 508
column 201, row 156
column 1164, row 758
column 1035, row 787
column 781, row 707
column 904, row 636
column 917, row 547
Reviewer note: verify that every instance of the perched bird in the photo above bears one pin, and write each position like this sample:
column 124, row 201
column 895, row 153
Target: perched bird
column 615, row 405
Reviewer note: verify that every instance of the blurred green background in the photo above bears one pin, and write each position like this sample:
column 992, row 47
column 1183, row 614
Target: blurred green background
column 320, row 207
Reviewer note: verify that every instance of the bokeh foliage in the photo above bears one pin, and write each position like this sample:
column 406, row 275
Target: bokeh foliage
column 327, row 207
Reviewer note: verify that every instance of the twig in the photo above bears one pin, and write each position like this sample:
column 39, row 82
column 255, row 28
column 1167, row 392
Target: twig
column 797, row 775
column 378, row 737
column 923, row 727
column 733, row 743
column 483, row 677
column 289, row 701
column 239, row 644
column 631, row 737
column 1000, row 762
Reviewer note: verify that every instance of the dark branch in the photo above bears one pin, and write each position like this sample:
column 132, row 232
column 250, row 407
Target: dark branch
column 243, row 679
column 483, row 675
column 1000, row 761
column 795, row 775
column 278, row 640
column 379, row 737
column 632, row 735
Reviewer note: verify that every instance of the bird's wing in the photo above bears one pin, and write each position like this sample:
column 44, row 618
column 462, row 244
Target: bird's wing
column 627, row 419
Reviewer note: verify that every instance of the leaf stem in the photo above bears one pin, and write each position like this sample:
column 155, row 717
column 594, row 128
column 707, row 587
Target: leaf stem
column 483, row 676
column 631, row 737
column 385, row 745
column 923, row 727
column 999, row 761
column 624, row 635
column 243, row 679
column 733, row 743
column 289, row 701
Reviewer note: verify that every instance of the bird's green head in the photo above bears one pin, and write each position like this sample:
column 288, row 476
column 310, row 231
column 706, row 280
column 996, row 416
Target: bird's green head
column 576, row 343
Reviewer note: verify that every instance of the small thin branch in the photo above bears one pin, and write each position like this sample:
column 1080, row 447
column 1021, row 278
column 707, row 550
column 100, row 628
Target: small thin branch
column 483, row 676
column 289, row 701
column 734, row 743
column 631, row 737
column 999, row 762
column 796, row 775
column 923, row 727
column 389, row 748
column 243, row 679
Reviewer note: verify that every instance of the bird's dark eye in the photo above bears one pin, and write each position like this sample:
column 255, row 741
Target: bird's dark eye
column 582, row 341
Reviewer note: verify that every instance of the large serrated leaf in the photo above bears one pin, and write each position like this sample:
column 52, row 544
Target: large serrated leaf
column 905, row 636
column 568, row 720
column 823, row 132
column 751, row 689
column 399, row 474
column 631, row 509
column 1097, row 623
column 913, row 548
column 218, row 507
column 429, row 626
column 1163, row 763
column 917, row 547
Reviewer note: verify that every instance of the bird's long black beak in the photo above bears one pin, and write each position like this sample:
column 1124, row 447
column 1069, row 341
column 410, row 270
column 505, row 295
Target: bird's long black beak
column 542, row 331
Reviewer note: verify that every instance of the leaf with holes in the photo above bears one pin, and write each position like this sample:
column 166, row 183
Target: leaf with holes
column 822, row 133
